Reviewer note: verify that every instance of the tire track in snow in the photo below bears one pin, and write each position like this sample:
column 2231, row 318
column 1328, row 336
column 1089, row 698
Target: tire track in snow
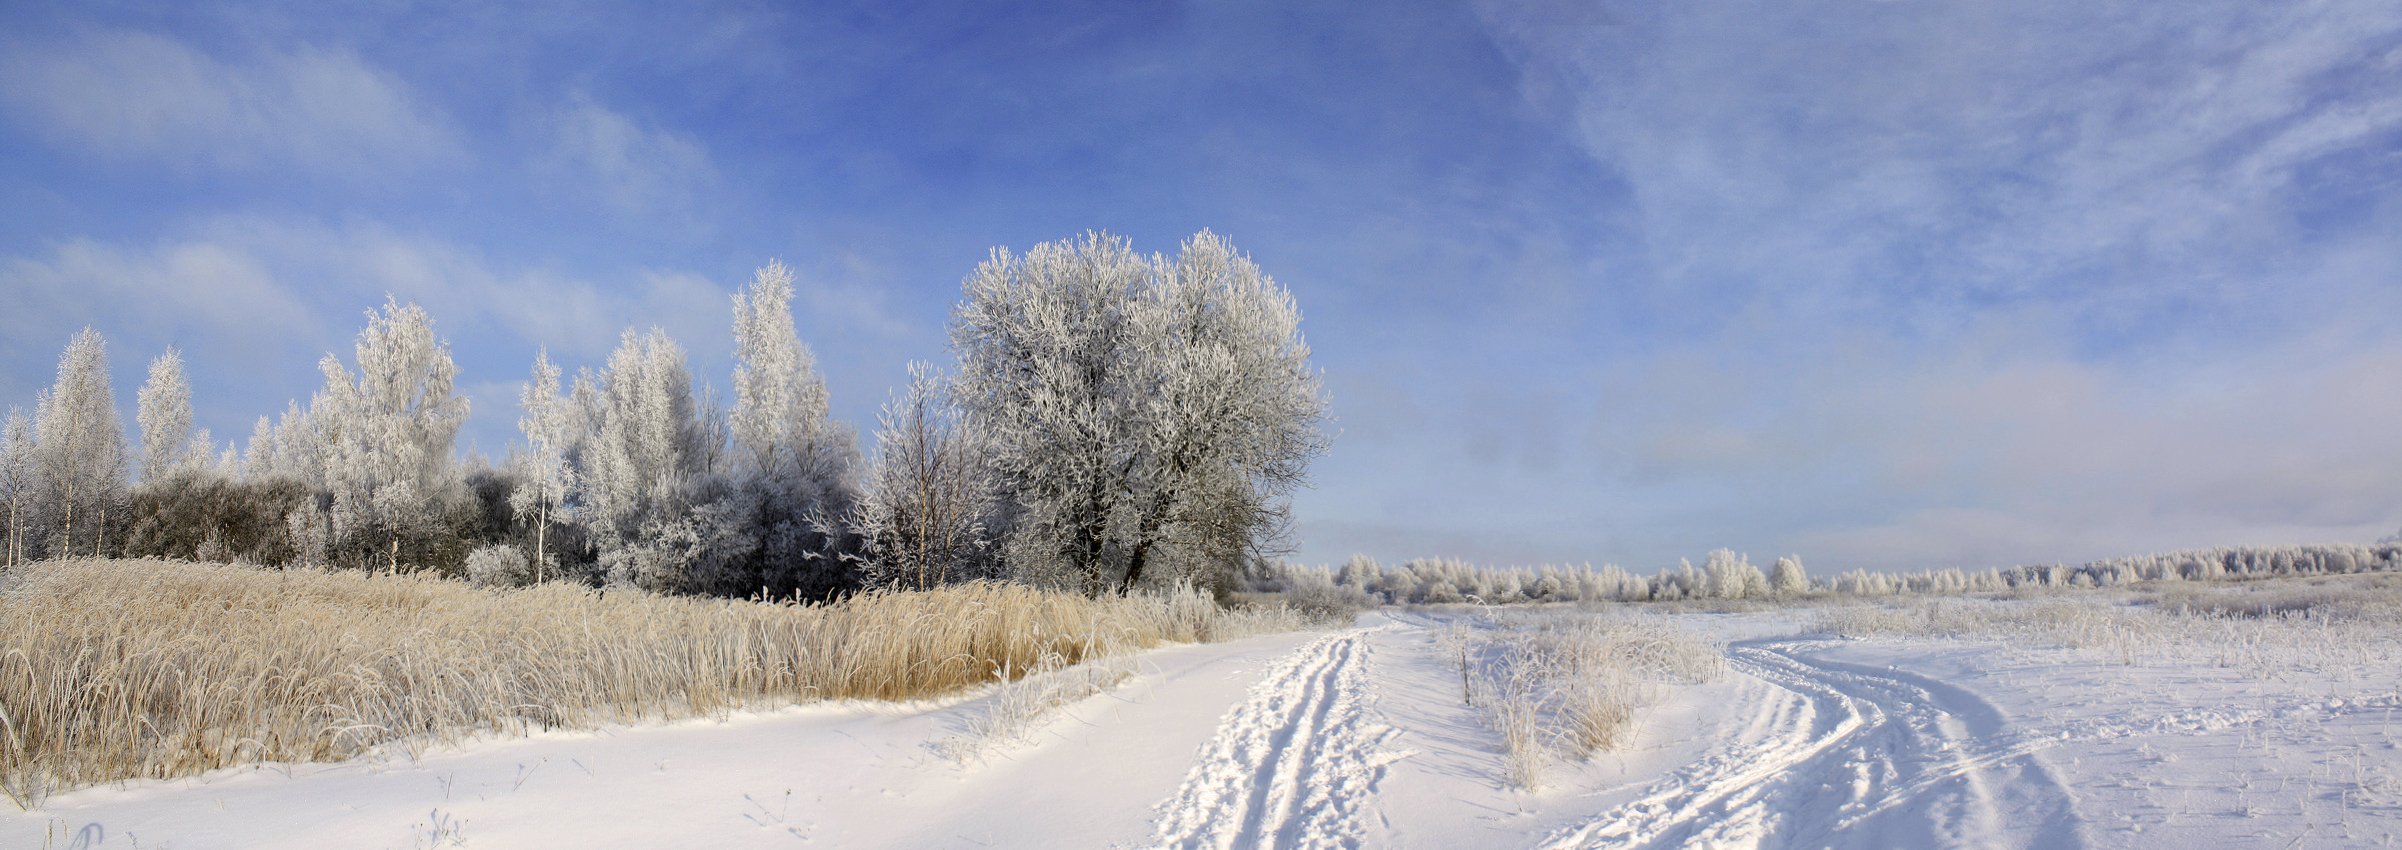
column 1296, row 765
column 1849, row 756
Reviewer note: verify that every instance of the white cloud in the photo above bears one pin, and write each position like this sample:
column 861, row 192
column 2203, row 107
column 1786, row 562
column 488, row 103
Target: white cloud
column 254, row 301
column 352, row 267
column 1933, row 157
column 222, row 305
column 1863, row 449
column 637, row 169
column 1991, row 281
column 136, row 95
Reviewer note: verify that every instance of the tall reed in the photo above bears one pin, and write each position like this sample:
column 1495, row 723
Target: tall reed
column 113, row 670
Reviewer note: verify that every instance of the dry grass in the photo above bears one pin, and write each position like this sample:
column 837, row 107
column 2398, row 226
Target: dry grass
column 1567, row 684
column 113, row 670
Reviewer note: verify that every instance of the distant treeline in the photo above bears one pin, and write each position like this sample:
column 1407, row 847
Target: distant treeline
column 1727, row 575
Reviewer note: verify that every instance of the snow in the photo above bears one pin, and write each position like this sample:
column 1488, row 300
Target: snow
column 1357, row 737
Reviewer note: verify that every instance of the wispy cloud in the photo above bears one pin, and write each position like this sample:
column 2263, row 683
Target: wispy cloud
column 638, row 169
column 140, row 96
column 262, row 297
column 1988, row 281
column 1933, row 157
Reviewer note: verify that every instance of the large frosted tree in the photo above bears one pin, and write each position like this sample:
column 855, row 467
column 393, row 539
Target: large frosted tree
column 1234, row 420
column 163, row 409
column 79, row 447
column 1145, row 416
column 388, row 430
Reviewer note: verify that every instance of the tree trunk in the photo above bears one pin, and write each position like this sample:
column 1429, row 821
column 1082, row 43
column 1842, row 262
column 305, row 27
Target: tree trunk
column 541, row 532
column 1148, row 531
column 392, row 567
column 1145, row 536
column 1134, row 566
column 66, row 536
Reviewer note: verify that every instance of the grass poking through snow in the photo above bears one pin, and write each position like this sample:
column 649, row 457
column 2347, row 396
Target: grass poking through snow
column 1566, row 685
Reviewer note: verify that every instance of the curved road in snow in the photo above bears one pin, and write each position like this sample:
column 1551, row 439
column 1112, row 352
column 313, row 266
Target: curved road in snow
column 1849, row 756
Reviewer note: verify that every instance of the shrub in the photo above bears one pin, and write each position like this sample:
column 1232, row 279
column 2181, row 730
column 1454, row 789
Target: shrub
column 499, row 566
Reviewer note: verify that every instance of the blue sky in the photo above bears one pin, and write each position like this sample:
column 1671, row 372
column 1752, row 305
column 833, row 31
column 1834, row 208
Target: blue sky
column 1887, row 284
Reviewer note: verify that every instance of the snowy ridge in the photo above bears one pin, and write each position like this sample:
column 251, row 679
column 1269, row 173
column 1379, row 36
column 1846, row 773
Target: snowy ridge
column 1295, row 765
column 1881, row 758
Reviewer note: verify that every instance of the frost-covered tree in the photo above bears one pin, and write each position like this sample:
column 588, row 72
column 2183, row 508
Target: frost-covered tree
column 258, row 455
column 1046, row 343
column 926, row 514
column 389, row 430
column 1726, row 575
column 790, row 479
column 17, row 481
column 1140, row 411
column 552, row 429
column 1788, row 578
column 650, row 447
column 164, row 412
column 1233, row 424
column 79, row 448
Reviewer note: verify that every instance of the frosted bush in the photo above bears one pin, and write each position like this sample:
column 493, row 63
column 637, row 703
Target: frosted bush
column 499, row 566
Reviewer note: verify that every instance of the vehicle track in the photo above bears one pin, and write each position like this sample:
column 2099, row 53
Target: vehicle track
column 1847, row 756
column 1295, row 765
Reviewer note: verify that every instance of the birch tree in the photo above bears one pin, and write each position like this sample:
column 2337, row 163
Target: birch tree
column 551, row 427
column 925, row 516
column 79, row 447
column 163, row 409
column 1140, row 411
column 648, row 448
column 258, row 455
column 389, row 429
column 16, row 480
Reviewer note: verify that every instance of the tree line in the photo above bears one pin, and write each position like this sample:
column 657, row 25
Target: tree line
column 1111, row 420
column 1725, row 574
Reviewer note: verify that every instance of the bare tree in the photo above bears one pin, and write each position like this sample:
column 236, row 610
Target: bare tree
column 1139, row 410
column 926, row 514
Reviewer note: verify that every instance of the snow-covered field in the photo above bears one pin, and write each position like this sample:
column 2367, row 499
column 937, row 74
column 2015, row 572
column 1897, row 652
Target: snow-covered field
column 1359, row 737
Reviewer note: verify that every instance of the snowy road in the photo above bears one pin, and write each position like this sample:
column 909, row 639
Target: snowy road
column 1359, row 738
column 1843, row 755
column 1296, row 765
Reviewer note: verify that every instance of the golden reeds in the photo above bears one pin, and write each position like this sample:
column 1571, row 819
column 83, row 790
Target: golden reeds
column 112, row 670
